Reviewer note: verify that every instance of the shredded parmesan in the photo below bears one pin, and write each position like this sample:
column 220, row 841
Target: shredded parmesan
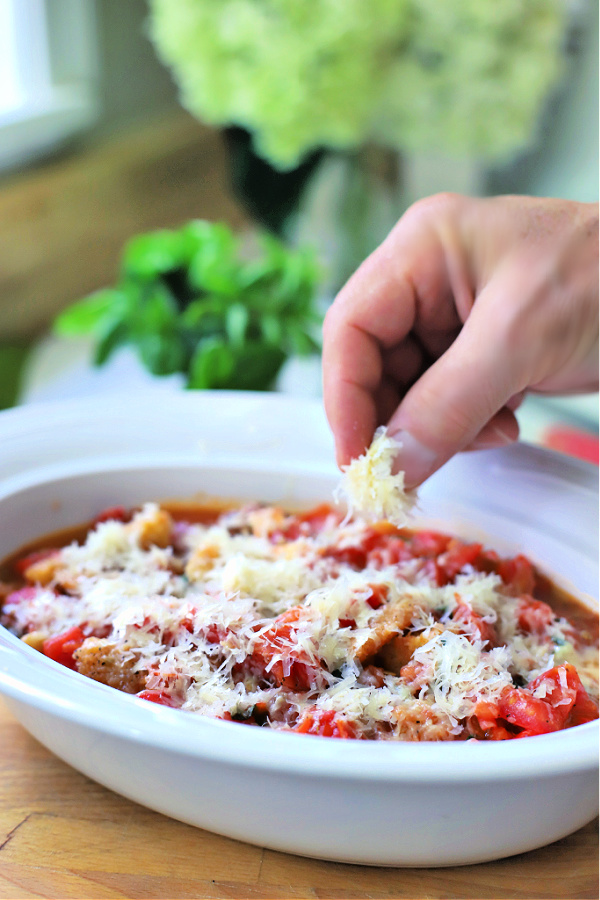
column 369, row 487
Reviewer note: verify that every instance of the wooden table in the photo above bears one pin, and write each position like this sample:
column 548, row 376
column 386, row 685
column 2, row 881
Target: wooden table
column 63, row 836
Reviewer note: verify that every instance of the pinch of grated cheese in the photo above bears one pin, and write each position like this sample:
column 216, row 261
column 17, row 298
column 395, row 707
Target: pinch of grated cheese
column 370, row 489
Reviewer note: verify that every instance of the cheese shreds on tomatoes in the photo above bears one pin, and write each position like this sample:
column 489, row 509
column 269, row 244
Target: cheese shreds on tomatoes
column 310, row 622
column 369, row 487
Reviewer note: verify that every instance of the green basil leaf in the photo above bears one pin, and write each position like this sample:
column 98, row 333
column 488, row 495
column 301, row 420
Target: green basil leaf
column 13, row 359
column 162, row 354
column 114, row 334
column 198, row 310
column 256, row 367
column 271, row 329
column 212, row 364
column 148, row 255
column 302, row 343
column 213, row 267
column 157, row 312
column 89, row 314
column 237, row 318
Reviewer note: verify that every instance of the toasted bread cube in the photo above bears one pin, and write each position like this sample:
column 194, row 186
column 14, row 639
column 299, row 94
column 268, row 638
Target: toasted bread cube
column 99, row 658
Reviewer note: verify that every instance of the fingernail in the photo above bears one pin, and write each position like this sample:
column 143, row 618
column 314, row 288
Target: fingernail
column 503, row 437
column 496, row 438
column 414, row 459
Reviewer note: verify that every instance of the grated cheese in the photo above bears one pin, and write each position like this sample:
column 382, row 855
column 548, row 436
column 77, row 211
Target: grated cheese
column 369, row 487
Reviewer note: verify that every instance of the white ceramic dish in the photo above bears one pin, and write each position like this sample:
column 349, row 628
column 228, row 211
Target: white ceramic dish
column 360, row 802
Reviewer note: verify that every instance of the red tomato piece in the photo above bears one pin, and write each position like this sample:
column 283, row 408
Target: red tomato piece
column 326, row 723
column 486, row 724
column 518, row 575
column 475, row 622
column 294, row 670
column 378, row 595
column 433, row 571
column 317, row 517
column 534, row 616
column 356, row 556
column 532, row 714
column 429, row 543
column 21, row 565
column 214, row 634
column 457, row 556
column 566, row 703
column 584, row 709
column 61, row 647
column 307, row 524
column 116, row 513
column 22, row 594
column 162, row 697
column 386, row 550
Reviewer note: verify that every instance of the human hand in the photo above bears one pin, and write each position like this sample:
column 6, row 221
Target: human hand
column 467, row 304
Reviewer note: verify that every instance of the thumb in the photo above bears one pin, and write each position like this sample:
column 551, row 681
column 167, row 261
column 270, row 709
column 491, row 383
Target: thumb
column 460, row 401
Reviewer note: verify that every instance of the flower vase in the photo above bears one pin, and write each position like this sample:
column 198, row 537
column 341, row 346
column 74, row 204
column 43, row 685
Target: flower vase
column 353, row 200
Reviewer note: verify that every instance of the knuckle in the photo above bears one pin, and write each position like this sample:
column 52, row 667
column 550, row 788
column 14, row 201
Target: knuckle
column 444, row 203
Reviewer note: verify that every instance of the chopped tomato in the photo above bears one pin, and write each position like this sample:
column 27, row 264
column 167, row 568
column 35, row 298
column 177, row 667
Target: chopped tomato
column 386, row 549
column 355, row 556
column 326, row 723
column 293, row 669
column 21, row 565
column 116, row 513
column 532, row 714
column 518, row 575
column 23, row 594
column 565, row 703
column 486, row 724
column 474, row 622
column 584, row 709
column 316, row 518
column 214, row 633
column 61, row 647
column 162, row 697
column 377, row 596
column 431, row 569
column 534, row 616
column 308, row 524
column 429, row 543
column 457, row 556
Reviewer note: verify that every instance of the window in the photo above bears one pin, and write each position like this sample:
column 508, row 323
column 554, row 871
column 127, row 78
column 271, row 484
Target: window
column 48, row 69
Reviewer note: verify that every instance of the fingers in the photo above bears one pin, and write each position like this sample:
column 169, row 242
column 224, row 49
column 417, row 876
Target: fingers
column 466, row 305
column 501, row 430
column 352, row 372
column 403, row 286
column 461, row 400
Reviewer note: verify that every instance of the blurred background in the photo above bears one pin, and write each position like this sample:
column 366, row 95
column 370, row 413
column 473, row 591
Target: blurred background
column 319, row 122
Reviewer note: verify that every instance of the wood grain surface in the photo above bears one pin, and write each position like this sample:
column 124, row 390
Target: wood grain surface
column 63, row 836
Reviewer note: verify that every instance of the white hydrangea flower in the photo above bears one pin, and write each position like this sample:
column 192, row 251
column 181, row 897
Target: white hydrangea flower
column 462, row 76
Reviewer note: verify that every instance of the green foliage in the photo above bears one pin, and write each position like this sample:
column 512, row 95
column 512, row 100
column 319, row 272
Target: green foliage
column 12, row 361
column 189, row 302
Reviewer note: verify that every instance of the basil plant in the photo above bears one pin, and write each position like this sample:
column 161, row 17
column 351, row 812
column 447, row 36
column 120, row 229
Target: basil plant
column 189, row 300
